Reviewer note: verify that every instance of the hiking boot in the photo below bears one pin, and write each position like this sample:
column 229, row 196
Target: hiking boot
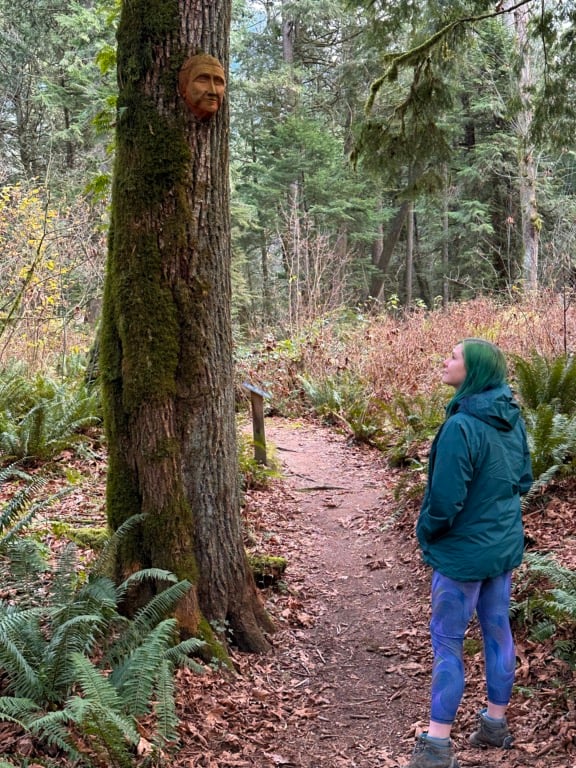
column 429, row 755
column 491, row 734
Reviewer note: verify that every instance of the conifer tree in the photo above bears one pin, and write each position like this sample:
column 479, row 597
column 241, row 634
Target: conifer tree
column 166, row 360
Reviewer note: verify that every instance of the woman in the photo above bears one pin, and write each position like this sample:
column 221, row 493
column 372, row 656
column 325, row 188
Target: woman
column 470, row 532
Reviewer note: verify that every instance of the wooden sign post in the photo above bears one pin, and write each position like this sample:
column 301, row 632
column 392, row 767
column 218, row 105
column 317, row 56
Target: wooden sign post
column 257, row 401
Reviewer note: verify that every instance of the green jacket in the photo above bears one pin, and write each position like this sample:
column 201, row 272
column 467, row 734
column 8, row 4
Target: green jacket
column 470, row 524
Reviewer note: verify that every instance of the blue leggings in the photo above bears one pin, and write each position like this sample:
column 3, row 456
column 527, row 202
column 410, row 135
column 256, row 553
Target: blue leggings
column 453, row 604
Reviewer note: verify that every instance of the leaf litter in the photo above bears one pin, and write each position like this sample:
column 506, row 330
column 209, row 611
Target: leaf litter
column 347, row 681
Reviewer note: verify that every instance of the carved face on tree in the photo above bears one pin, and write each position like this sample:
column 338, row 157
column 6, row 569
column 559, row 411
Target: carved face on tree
column 202, row 85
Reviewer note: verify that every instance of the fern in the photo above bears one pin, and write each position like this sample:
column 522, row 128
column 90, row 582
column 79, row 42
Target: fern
column 547, row 382
column 46, row 656
column 20, row 501
column 18, row 511
column 136, row 677
column 549, row 607
column 97, row 714
column 51, row 424
column 20, row 642
column 77, row 634
column 181, row 655
column 21, row 560
column 540, row 482
column 165, row 709
column 551, row 439
column 147, row 617
column 96, row 688
column 104, row 564
column 410, row 423
column 21, row 564
column 53, row 728
column 344, row 400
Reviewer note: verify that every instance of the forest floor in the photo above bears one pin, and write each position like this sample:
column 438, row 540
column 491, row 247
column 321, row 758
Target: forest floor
column 347, row 682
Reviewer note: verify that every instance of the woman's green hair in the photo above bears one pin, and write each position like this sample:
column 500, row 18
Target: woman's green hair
column 485, row 369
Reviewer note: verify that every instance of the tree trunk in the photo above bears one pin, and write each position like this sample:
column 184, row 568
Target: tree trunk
column 531, row 221
column 409, row 254
column 445, row 235
column 166, row 348
column 389, row 242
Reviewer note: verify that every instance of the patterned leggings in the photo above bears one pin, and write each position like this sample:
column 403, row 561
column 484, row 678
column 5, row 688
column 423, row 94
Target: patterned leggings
column 453, row 604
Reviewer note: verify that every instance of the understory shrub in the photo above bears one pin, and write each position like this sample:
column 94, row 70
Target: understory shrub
column 41, row 416
column 547, row 390
column 543, row 381
column 77, row 674
column 345, row 401
column 411, row 423
column 17, row 552
column 551, row 440
column 545, row 603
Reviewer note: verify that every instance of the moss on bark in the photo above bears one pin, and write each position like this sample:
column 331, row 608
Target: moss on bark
column 166, row 343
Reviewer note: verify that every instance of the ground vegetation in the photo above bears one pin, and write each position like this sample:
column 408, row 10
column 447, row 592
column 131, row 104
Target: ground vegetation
column 345, row 681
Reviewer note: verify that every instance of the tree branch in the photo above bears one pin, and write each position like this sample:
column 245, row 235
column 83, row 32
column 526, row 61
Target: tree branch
column 414, row 55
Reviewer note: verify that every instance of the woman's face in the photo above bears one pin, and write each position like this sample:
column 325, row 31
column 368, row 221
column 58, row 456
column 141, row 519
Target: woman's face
column 454, row 371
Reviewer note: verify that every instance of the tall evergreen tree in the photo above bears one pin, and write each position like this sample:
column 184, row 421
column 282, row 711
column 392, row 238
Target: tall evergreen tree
column 416, row 103
column 299, row 78
column 50, row 87
column 166, row 338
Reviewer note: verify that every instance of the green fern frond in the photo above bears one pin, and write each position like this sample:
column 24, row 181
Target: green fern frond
column 547, row 382
column 104, row 563
column 32, row 432
column 22, row 562
column 566, row 650
column 78, row 634
column 543, row 630
column 165, row 708
column 145, row 574
column 13, row 472
column 19, row 512
column 547, row 567
column 96, row 688
column 551, row 438
column 100, row 593
column 550, row 604
column 17, row 709
column 16, row 659
column 10, row 444
column 51, row 423
column 161, row 605
column 108, row 732
column 135, row 678
column 156, row 610
column 53, row 728
column 564, row 602
column 181, row 655
column 64, row 576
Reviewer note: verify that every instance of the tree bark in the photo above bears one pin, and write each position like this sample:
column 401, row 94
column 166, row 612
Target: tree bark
column 166, row 349
column 409, row 253
column 389, row 242
column 531, row 220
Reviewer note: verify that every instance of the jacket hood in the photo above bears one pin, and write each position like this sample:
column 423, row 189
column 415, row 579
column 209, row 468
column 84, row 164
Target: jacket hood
column 496, row 407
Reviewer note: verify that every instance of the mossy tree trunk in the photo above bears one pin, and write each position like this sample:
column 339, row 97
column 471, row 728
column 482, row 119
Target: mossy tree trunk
column 166, row 345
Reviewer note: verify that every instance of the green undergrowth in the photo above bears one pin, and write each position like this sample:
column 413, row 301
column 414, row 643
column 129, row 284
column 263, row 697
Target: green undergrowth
column 77, row 673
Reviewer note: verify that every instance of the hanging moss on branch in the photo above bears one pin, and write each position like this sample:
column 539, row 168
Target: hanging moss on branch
column 419, row 56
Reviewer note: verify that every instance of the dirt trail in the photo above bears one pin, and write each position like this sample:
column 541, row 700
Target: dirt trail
column 353, row 658
column 355, row 586
column 347, row 682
